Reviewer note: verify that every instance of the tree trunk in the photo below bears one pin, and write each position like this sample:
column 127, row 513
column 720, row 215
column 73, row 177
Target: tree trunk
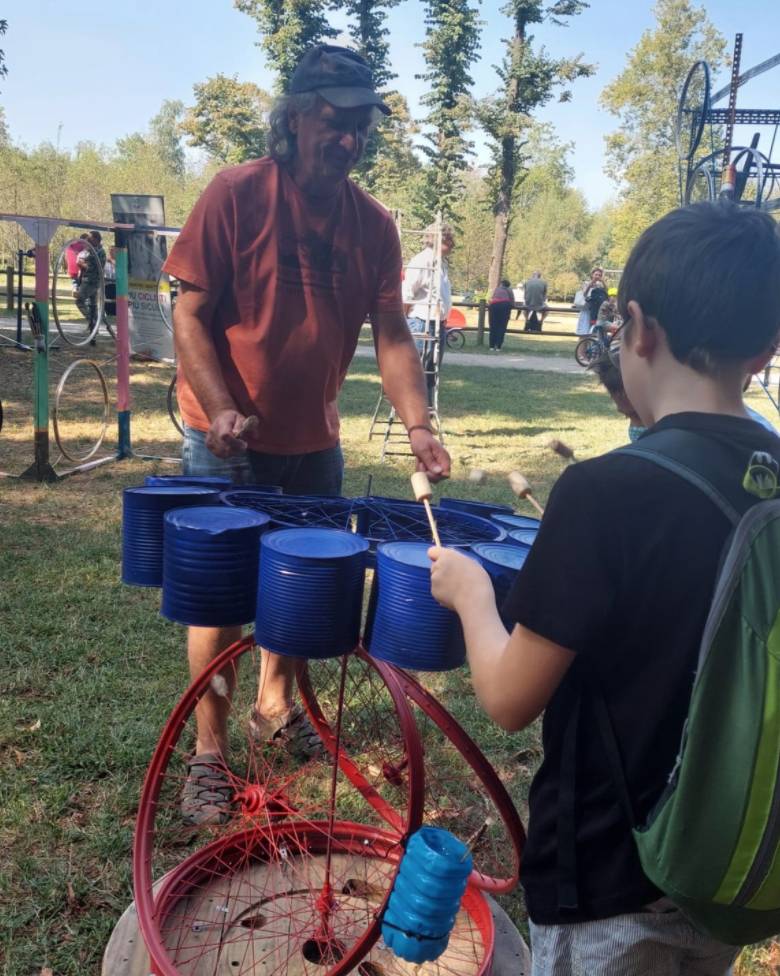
column 502, row 210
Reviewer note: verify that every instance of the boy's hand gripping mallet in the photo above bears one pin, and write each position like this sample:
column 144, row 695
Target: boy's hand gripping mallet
column 522, row 489
column 422, row 492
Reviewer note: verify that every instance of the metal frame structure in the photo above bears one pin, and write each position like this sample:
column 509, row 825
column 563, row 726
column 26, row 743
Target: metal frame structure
column 42, row 230
column 752, row 166
column 701, row 174
column 431, row 347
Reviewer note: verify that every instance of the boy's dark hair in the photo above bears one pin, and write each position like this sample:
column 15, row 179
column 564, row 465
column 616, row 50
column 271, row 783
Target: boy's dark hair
column 506, row 283
column 709, row 274
column 608, row 373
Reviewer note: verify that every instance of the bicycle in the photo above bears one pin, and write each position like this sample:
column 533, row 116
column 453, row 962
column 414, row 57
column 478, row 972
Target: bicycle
column 592, row 347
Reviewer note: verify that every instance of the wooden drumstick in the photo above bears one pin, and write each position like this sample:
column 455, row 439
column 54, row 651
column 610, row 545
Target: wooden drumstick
column 248, row 426
column 422, row 492
column 522, row 489
column 562, row 450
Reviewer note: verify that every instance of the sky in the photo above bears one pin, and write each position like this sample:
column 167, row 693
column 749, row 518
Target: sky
column 102, row 73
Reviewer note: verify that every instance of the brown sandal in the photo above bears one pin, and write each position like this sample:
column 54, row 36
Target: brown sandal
column 291, row 729
column 206, row 799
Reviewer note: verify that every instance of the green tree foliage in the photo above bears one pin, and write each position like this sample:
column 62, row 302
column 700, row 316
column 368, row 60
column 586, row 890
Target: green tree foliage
column 553, row 232
column 227, row 119
column 165, row 132
column 529, row 79
column 78, row 184
column 286, row 29
column 394, row 173
column 3, row 65
column 368, row 30
column 470, row 258
column 450, row 46
column 641, row 154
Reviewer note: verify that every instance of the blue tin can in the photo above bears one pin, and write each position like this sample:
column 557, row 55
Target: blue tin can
column 143, row 511
column 210, row 562
column 408, row 627
column 310, row 593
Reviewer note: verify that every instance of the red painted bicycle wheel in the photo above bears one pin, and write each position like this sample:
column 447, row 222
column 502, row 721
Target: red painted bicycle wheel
column 237, row 907
column 272, row 788
column 463, row 793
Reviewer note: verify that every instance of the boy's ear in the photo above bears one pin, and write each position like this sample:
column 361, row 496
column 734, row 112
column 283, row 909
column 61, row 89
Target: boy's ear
column 757, row 363
column 644, row 331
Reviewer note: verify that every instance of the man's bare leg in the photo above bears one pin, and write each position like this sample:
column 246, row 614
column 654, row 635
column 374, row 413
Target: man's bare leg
column 203, row 645
column 275, row 685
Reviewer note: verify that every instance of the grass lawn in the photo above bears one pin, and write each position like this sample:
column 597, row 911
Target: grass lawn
column 89, row 670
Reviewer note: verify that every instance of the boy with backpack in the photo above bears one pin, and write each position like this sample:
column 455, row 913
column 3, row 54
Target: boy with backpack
column 668, row 621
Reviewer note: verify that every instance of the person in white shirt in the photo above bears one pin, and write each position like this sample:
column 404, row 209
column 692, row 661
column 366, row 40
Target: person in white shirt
column 427, row 303
column 519, row 296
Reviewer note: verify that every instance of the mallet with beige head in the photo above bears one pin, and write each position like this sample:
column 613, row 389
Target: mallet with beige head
column 422, row 492
column 562, row 450
column 522, row 489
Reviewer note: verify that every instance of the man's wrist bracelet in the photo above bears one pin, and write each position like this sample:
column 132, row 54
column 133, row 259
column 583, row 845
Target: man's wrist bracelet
column 419, row 427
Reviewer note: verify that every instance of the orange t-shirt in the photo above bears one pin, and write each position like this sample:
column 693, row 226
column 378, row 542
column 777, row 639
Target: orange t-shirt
column 294, row 290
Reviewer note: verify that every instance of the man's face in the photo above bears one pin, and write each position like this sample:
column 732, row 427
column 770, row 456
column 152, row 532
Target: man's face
column 331, row 140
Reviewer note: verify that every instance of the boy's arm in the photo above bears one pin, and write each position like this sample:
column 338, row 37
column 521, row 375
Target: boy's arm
column 515, row 675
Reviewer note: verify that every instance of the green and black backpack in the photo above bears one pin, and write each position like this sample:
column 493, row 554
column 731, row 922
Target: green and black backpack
column 712, row 841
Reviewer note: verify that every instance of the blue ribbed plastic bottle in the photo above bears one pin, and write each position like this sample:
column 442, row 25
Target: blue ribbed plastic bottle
column 426, row 896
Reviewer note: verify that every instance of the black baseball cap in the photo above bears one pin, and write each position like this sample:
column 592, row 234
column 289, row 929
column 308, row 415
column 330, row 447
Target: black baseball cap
column 340, row 76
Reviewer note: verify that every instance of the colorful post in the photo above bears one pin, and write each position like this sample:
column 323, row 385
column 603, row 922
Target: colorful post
column 41, row 469
column 124, row 447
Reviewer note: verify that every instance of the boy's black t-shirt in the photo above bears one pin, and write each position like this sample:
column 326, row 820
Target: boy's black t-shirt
column 622, row 572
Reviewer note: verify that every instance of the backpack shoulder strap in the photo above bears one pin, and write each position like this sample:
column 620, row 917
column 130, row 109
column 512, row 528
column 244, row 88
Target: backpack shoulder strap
column 698, row 460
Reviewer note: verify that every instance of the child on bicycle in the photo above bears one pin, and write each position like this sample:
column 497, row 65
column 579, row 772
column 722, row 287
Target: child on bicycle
column 618, row 616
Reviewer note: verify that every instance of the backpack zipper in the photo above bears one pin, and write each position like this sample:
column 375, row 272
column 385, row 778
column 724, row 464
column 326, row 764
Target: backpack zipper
column 766, row 851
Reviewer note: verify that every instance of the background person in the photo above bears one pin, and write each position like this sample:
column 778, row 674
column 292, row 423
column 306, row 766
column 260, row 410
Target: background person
column 499, row 310
column 90, row 263
column 71, row 260
column 279, row 263
column 595, row 294
column 518, row 294
column 426, row 306
column 535, row 301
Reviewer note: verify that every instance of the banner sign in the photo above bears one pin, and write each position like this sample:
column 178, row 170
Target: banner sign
column 149, row 303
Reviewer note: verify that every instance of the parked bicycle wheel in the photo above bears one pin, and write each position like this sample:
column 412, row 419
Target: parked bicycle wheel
column 588, row 350
column 456, row 338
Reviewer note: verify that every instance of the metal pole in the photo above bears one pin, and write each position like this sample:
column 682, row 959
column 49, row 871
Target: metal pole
column 123, row 403
column 19, row 295
column 9, row 287
column 41, row 469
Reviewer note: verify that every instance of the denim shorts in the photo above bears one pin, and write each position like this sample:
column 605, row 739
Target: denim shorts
column 316, row 473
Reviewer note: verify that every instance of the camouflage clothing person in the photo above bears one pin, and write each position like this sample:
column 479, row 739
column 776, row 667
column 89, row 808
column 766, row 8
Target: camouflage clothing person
column 91, row 262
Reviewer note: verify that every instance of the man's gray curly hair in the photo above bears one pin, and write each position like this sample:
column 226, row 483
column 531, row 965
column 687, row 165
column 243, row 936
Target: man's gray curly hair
column 282, row 143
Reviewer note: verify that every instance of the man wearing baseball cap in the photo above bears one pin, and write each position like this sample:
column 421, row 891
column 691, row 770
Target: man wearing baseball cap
column 280, row 262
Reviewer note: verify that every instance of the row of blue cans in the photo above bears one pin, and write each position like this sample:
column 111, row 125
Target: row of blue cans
column 220, row 566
